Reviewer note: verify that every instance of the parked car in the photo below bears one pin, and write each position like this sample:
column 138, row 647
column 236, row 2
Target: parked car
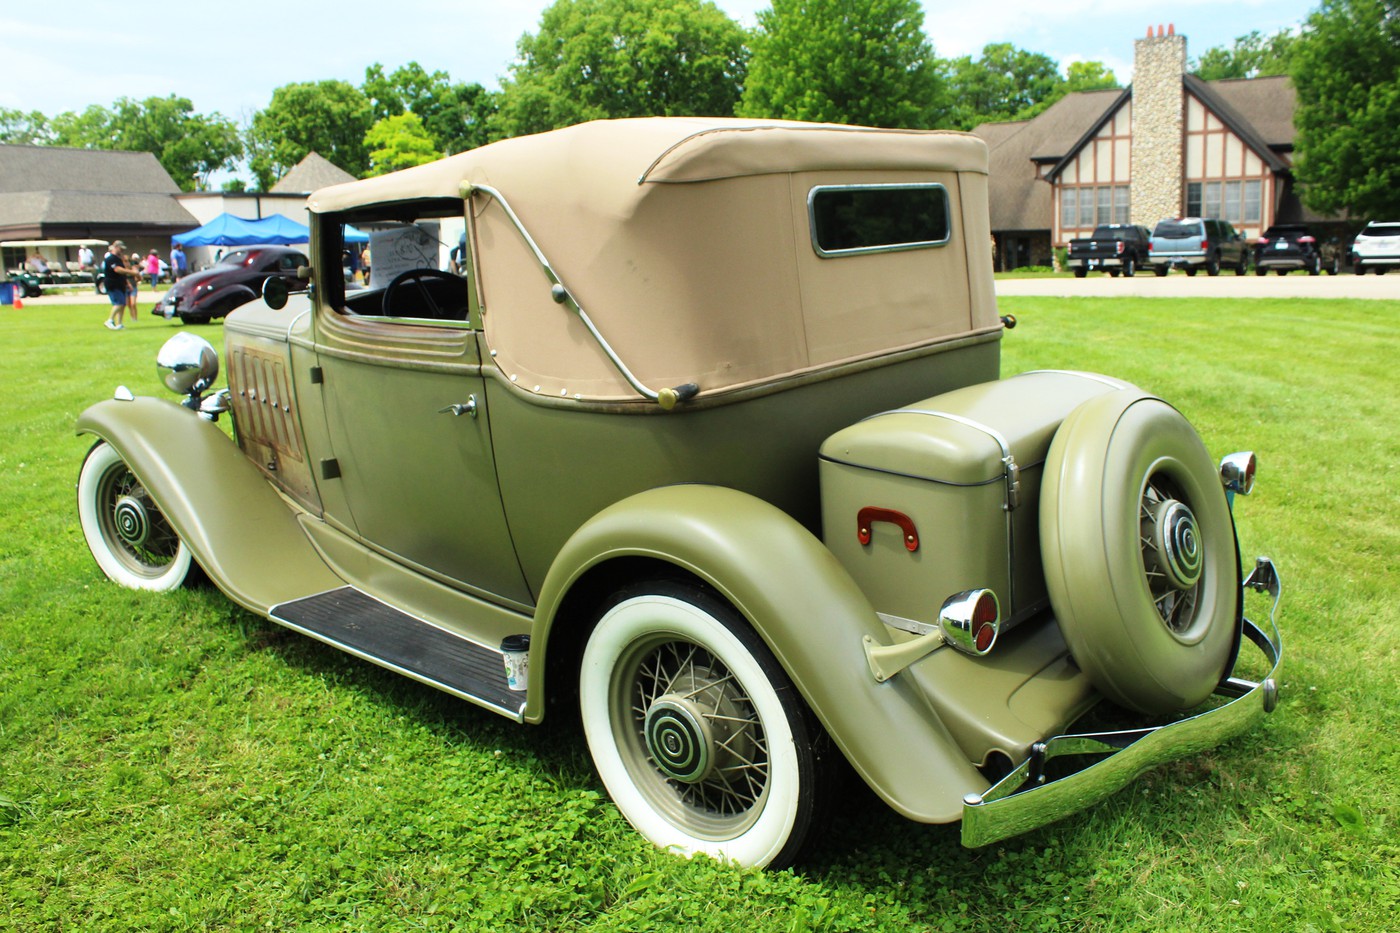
column 1285, row 247
column 1377, row 247
column 234, row 280
column 1113, row 248
column 710, row 447
column 1193, row 243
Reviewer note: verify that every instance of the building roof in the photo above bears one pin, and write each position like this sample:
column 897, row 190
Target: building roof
column 55, row 191
column 1267, row 103
column 1020, row 200
column 55, row 168
column 314, row 171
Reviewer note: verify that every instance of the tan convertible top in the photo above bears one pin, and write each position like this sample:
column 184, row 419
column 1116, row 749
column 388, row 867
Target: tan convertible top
column 687, row 241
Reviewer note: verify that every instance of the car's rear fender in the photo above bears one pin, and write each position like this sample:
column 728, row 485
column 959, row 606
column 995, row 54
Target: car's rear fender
column 803, row 604
column 241, row 532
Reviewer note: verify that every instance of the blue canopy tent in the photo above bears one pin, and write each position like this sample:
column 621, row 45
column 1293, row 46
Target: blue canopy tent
column 228, row 230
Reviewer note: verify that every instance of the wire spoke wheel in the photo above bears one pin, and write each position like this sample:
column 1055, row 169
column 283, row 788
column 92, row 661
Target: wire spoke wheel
column 1172, row 554
column 128, row 534
column 695, row 729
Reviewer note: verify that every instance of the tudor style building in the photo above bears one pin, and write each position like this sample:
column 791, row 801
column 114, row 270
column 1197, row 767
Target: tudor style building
column 1170, row 145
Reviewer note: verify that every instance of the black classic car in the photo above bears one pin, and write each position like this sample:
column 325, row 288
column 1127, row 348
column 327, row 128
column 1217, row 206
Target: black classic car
column 234, row 280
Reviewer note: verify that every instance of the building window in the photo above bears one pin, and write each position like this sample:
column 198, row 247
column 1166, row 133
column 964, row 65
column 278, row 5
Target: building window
column 1252, row 191
column 1087, row 207
column 1235, row 201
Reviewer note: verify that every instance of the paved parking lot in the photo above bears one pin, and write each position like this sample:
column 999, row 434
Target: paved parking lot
column 1225, row 285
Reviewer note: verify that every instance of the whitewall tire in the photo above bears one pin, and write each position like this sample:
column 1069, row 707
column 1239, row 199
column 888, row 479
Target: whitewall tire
column 696, row 731
column 126, row 531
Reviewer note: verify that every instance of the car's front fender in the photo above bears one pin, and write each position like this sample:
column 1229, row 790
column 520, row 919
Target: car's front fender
column 242, row 533
column 808, row 610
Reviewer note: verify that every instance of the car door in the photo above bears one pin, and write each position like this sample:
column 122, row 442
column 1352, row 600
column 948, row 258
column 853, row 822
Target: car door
column 406, row 415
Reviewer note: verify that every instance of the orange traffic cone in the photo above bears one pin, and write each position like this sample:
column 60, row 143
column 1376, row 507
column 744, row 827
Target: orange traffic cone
column 19, row 302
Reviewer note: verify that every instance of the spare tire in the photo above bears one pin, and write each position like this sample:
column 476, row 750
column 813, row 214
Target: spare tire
column 1138, row 549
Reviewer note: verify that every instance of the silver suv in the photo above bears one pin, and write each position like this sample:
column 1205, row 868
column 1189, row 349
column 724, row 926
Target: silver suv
column 1193, row 243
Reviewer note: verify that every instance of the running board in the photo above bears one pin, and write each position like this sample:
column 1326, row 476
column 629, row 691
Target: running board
column 359, row 624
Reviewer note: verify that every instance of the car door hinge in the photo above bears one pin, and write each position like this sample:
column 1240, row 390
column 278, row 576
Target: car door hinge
column 330, row 469
column 317, row 376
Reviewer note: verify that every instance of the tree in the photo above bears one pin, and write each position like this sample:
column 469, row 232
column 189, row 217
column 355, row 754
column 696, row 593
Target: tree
column 844, row 61
column 594, row 59
column 1089, row 76
column 1006, row 83
column 399, row 142
column 23, row 129
column 1346, row 69
column 1253, row 55
column 454, row 115
column 330, row 117
column 188, row 145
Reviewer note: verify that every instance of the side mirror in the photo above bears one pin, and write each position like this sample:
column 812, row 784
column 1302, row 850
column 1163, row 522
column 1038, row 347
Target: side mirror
column 275, row 292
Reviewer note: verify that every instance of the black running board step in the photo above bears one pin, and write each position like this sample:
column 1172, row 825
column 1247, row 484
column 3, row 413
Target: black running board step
column 356, row 622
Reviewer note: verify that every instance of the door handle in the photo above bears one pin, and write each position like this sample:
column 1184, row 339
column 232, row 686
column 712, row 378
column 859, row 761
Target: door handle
column 461, row 408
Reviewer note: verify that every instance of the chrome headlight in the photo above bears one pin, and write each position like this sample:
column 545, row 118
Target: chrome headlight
column 187, row 364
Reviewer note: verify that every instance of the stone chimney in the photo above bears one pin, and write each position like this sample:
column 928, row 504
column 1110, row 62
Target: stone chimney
column 1159, row 62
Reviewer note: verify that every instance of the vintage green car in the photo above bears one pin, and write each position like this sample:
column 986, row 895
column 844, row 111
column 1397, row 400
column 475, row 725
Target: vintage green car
column 700, row 434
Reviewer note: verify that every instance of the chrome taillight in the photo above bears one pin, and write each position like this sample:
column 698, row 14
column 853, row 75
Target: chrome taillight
column 1237, row 472
column 970, row 621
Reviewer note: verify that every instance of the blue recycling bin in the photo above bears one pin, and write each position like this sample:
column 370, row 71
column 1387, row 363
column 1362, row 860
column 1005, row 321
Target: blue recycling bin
column 7, row 293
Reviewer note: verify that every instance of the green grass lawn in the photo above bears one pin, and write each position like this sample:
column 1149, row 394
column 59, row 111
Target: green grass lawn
column 175, row 763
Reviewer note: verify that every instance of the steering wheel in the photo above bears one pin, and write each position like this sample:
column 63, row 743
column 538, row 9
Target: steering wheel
column 421, row 278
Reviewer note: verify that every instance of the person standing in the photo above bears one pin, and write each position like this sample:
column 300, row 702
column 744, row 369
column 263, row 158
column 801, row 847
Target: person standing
column 85, row 258
column 115, row 274
column 178, row 264
column 153, row 268
column 133, row 285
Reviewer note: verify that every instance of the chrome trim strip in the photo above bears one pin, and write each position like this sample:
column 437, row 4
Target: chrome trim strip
column 906, row 625
column 1092, row 377
column 1004, row 810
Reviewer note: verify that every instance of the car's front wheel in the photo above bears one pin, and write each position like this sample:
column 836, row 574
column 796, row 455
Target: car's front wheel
column 125, row 529
column 699, row 736
column 1129, row 267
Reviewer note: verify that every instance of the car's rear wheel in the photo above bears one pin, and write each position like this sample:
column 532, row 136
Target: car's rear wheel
column 1159, row 271
column 698, row 734
column 1213, row 265
column 1138, row 552
column 1080, row 273
column 1191, row 270
column 1129, row 267
column 1315, row 266
column 125, row 529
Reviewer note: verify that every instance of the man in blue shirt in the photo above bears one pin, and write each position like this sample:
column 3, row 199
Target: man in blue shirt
column 177, row 262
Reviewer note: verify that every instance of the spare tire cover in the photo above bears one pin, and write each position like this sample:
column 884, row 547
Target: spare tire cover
column 1138, row 549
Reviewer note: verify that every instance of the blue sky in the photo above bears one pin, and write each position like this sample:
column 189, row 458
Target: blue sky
column 228, row 57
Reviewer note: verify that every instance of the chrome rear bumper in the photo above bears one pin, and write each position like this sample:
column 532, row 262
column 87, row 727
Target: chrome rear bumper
column 1006, row 810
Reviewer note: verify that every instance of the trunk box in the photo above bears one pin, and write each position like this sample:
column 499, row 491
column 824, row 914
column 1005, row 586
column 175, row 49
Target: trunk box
column 943, row 495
